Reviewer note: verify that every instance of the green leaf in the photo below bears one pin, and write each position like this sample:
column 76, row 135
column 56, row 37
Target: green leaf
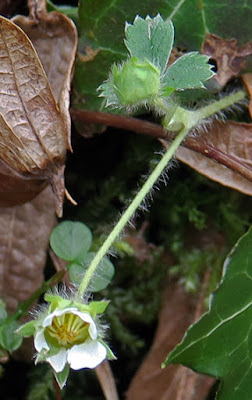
column 70, row 240
column 151, row 39
column 188, row 72
column 3, row 312
column 27, row 329
column 9, row 339
column 95, row 16
column 220, row 343
column 102, row 277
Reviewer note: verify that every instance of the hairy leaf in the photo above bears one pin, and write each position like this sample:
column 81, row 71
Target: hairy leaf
column 150, row 39
column 100, row 47
column 219, row 344
column 188, row 72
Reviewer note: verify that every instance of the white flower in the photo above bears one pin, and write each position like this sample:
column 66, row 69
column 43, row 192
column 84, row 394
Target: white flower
column 69, row 336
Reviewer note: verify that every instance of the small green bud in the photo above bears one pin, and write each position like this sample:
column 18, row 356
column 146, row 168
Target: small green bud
column 136, row 81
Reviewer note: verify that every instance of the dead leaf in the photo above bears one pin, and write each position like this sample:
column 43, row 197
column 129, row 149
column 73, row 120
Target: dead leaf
column 230, row 141
column 33, row 134
column 230, row 58
column 152, row 382
column 247, row 80
column 54, row 37
column 24, row 238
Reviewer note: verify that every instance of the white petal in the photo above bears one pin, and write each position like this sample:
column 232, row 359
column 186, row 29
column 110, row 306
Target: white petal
column 57, row 313
column 40, row 342
column 86, row 355
column 58, row 361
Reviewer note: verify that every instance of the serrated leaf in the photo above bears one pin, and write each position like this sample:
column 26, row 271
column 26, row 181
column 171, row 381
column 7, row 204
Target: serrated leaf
column 151, row 39
column 188, row 72
column 220, row 343
column 102, row 277
column 70, row 239
column 107, row 44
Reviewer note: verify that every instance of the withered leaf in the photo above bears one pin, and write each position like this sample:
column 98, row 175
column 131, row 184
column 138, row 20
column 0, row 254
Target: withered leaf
column 24, row 237
column 247, row 79
column 54, row 37
column 230, row 141
column 33, row 136
column 230, row 58
column 152, row 382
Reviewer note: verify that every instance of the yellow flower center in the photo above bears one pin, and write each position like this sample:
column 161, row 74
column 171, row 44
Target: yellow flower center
column 67, row 330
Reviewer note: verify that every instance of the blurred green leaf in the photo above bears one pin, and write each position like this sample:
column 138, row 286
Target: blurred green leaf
column 220, row 343
column 9, row 339
column 70, row 239
column 102, row 277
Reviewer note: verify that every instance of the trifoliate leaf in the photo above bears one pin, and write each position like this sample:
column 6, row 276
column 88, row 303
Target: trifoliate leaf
column 150, row 39
column 220, row 343
column 70, row 240
column 100, row 279
column 187, row 72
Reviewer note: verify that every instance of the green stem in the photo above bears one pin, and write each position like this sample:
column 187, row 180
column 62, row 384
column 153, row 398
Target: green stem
column 185, row 118
column 215, row 107
column 131, row 210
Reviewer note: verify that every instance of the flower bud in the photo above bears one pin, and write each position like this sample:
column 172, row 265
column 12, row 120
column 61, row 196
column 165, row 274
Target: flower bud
column 136, row 81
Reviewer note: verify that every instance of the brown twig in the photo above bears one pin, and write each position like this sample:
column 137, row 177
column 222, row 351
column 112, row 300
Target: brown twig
column 157, row 131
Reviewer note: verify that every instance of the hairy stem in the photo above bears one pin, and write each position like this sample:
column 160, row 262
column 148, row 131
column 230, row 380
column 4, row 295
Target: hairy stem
column 187, row 119
column 127, row 215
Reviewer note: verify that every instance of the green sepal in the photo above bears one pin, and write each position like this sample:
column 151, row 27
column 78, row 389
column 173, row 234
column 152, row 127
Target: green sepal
column 110, row 354
column 98, row 307
column 27, row 329
column 187, row 72
column 61, row 377
column 150, row 39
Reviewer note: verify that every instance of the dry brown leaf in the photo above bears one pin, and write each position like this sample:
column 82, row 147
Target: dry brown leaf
column 231, row 141
column 247, row 79
column 152, row 382
column 33, row 134
column 230, row 58
column 54, row 37
column 24, row 237
column 26, row 229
